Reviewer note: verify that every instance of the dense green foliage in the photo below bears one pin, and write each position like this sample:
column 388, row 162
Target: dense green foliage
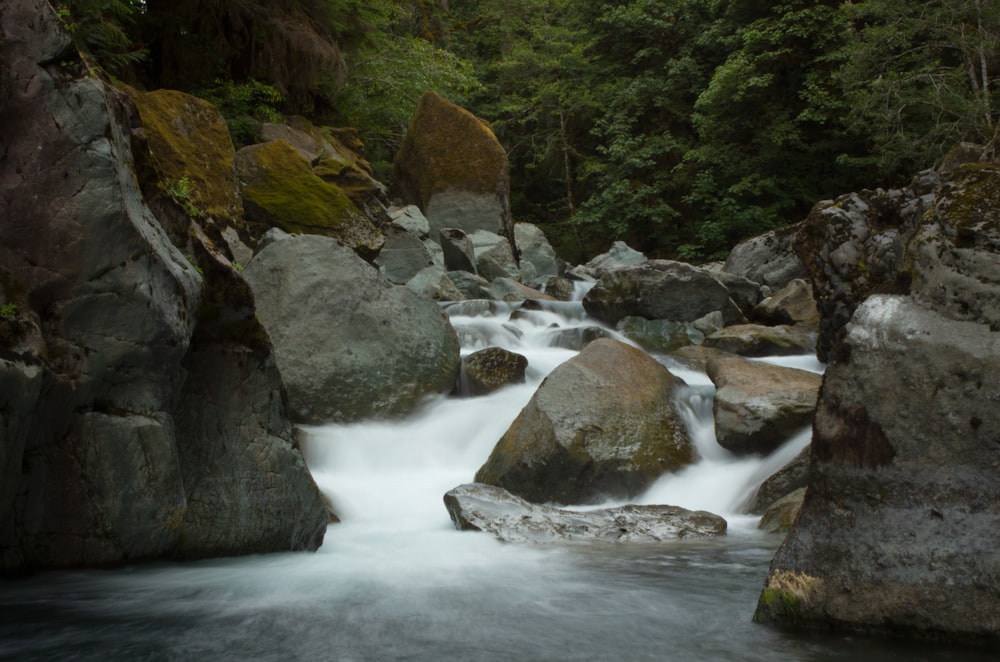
column 681, row 126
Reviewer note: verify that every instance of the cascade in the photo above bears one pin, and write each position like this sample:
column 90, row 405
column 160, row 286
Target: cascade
column 395, row 580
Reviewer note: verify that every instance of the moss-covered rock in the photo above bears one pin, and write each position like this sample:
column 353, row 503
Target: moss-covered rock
column 191, row 150
column 453, row 167
column 280, row 189
column 601, row 425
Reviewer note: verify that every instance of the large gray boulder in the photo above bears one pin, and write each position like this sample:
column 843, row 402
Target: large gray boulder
column 350, row 345
column 659, row 289
column 478, row 507
column 538, row 259
column 603, row 424
column 759, row 406
column 96, row 384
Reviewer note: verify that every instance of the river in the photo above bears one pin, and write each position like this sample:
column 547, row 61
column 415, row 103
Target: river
column 395, row 581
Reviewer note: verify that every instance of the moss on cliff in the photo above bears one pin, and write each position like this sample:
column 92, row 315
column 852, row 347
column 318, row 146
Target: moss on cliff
column 189, row 142
column 280, row 189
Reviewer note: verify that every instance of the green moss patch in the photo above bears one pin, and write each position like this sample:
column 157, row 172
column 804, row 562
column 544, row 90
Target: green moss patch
column 189, row 142
column 280, row 189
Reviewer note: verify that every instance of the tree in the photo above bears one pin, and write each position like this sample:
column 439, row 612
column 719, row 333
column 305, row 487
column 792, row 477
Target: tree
column 921, row 77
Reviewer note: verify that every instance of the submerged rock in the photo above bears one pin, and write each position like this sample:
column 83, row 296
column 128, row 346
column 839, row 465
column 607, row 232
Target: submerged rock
column 492, row 368
column 494, row 510
column 602, row 424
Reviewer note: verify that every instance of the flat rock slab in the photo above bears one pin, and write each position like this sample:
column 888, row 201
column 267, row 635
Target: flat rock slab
column 478, row 507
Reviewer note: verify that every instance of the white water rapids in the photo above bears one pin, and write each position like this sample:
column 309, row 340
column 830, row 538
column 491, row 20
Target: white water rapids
column 396, row 581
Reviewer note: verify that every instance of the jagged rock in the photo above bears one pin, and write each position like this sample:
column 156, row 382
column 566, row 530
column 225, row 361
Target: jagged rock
column 600, row 425
column 452, row 166
column 769, row 259
column 459, row 254
column 434, row 283
column 780, row 515
column 896, row 532
column 793, row 304
column 411, row 219
column 280, row 189
column 508, row 289
column 403, row 256
column 619, row 256
column 659, row 289
column 496, row 261
column 759, row 406
column 492, row 368
column 659, row 336
column 559, row 288
column 952, row 258
column 789, row 478
column 537, row 254
column 478, row 507
column 759, row 340
column 95, row 472
column 471, row 286
column 350, row 345
column 852, row 247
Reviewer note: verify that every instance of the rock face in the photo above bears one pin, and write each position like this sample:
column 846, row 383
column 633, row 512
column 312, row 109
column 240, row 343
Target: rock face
column 897, row 532
column 759, row 406
column 477, row 507
column 600, row 425
column 97, row 409
column 452, row 166
column 350, row 345
column 852, row 247
column 659, row 289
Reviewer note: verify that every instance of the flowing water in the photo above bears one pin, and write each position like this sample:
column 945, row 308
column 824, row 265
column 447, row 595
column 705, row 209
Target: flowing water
column 395, row 580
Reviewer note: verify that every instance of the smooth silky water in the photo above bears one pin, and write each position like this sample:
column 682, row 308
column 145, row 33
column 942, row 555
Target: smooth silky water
column 396, row 581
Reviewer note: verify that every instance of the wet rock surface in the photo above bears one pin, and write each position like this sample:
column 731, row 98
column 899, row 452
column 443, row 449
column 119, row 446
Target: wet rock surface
column 478, row 507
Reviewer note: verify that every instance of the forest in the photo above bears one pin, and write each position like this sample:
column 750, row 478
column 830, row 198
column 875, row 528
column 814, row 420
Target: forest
column 679, row 126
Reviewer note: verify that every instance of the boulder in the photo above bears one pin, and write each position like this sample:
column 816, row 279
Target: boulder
column 433, row 283
column 452, row 166
column 894, row 535
column 793, row 304
column 759, row 406
column 769, row 259
column 852, row 247
column 558, row 287
column 537, row 254
column 620, row 255
column 457, row 250
column 411, row 219
column 470, row 285
column 758, row 340
column 350, row 345
column 659, row 336
column 490, row 369
column 602, row 424
column 114, row 316
column 280, row 189
column 403, row 256
column 780, row 515
column 508, row 289
column 477, row 507
column 789, row 478
column 659, row 289
column 497, row 262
